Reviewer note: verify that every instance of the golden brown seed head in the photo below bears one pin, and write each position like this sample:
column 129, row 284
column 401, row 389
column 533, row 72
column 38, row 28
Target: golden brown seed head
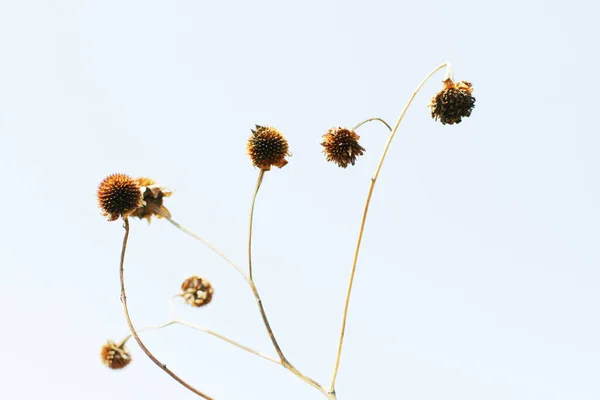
column 453, row 103
column 118, row 196
column 153, row 195
column 197, row 291
column 115, row 356
column 341, row 146
column 267, row 147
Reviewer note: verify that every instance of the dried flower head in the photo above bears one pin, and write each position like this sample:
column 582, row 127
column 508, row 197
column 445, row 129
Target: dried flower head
column 197, row 291
column 115, row 356
column 118, row 196
column 267, row 147
column 453, row 103
column 341, row 146
column 153, row 195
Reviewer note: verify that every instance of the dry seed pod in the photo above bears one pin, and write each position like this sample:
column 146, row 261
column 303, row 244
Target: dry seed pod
column 115, row 356
column 197, row 291
column 341, row 146
column 153, row 195
column 453, row 102
column 118, row 196
column 267, row 147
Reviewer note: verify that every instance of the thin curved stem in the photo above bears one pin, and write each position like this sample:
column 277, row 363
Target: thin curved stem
column 259, row 302
column 261, row 308
column 176, row 321
column 148, row 328
column 230, row 341
column 263, row 314
column 369, row 120
column 364, row 219
column 132, row 329
column 261, row 174
column 206, row 243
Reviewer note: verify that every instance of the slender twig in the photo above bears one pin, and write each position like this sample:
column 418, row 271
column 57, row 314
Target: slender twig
column 369, row 120
column 261, row 308
column 206, row 243
column 263, row 314
column 132, row 329
column 261, row 174
column 148, row 328
column 259, row 302
column 205, row 330
column 218, row 335
column 364, row 219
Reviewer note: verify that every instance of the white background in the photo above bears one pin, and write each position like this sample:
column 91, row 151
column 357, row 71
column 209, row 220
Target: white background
column 478, row 277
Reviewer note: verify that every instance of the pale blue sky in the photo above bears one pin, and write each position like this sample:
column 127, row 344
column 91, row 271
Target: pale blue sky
column 478, row 278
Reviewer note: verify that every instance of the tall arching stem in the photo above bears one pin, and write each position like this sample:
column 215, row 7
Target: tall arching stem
column 364, row 219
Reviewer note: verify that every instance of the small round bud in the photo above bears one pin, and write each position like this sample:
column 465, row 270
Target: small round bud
column 267, row 147
column 453, row 102
column 115, row 356
column 153, row 195
column 197, row 291
column 341, row 146
column 118, row 196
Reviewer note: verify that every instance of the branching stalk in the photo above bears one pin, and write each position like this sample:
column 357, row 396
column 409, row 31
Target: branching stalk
column 132, row 329
column 372, row 119
column 364, row 219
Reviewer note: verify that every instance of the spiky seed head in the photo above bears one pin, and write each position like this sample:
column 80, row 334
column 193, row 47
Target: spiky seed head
column 341, row 146
column 453, row 102
column 115, row 356
column 118, row 196
column 197, row 291
column 153, row 195
column 267, row 147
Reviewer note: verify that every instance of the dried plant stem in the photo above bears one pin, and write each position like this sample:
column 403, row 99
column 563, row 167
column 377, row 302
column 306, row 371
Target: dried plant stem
column 206, row 243
column 249, row 278
column 218, row 335
column 261, row 308
column 147, row 328
column 132, row 329
column 263, row 314
column 364, row 219
column 205, row 330
column 369, row 120
column 261, row 174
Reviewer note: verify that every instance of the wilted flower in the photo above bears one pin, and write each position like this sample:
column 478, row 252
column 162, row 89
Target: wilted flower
column 153, row 195
column 453, row 103
column 115, row 356
column 267, row 147
column 118, row 196
column 197, row 291
column 341, row 146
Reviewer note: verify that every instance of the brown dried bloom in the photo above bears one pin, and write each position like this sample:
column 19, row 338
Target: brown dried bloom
column 115, row 356
column 453, row 103
column 197, row 291
column 341, row 146
column 153, row 195
column 118, row 196
column 267, row 147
